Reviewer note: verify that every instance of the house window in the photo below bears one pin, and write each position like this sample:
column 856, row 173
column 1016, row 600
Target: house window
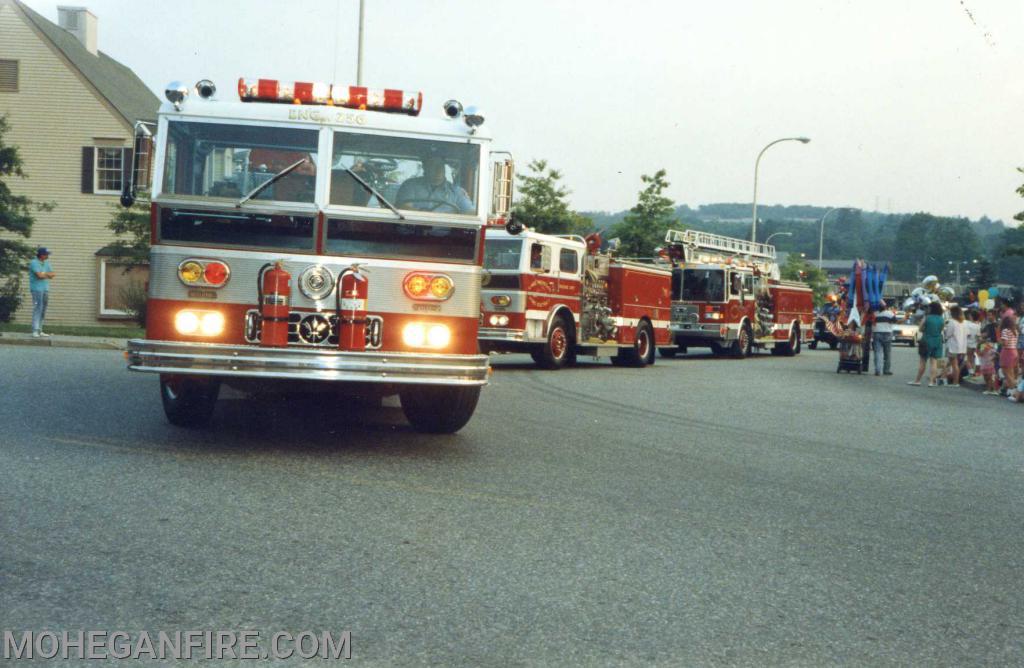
column 108, row 170
column 120, row 285
column 8, row 76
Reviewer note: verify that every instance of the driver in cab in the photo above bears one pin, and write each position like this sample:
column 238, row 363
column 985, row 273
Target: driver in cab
column 433, row 192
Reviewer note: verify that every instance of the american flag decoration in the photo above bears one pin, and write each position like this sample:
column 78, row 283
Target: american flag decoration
column 352, row 97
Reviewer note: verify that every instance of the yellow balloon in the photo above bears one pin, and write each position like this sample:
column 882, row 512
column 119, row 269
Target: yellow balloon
column 982, row 297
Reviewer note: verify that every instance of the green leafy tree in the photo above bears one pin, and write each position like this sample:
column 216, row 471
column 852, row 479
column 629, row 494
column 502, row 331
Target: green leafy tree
column 543, row 205
column 16, row 219
column 799, row 269
column 643, row 228
column 133, row 223
column 1020, row 191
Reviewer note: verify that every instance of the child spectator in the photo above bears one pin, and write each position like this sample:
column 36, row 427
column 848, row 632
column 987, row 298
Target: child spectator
column 973, row 330
column 987, row 366
column 1008, row 351
column 954, row 336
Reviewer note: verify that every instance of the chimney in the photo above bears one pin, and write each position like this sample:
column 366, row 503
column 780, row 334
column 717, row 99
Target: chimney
column 81, row 23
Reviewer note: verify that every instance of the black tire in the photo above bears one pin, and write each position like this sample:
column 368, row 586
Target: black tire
column 641, row 353
column 560, row 348
column 799, row 341
column 668, row 353
column 188, row 402
column 437, row 409
column 744, row 343
column 790, row 347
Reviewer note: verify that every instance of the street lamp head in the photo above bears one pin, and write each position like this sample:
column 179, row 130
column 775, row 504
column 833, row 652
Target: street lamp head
column 804, row 140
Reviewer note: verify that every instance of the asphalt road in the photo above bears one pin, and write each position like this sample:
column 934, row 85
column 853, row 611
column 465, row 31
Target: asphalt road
column 702, row 511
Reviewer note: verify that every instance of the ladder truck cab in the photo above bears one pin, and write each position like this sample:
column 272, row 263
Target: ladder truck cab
column 557, row 297
column 727, row 295
column 316, row 235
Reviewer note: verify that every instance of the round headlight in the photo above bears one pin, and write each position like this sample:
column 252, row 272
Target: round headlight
column 438, row 336
column 441, row 287
column 216, row 273
column 186, row 322
column 190, row 272
column 316, row 282
column 417, row 285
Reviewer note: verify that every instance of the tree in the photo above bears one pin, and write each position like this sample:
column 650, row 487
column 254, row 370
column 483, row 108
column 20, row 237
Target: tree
column 799, row 269
column 643, row 228
column 15, row 218
column 1020, row 191
column 132, row 222
column 543, row 205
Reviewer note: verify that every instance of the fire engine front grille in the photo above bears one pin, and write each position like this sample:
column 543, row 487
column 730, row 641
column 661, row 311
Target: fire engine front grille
column 684, row 313
column 314, row 329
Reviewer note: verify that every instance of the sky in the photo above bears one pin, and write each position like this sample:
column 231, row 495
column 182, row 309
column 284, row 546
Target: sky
column 913, row 105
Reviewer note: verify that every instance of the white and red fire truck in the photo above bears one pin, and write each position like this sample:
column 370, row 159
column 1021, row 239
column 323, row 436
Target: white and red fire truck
column 557, row 297
column 727, row 295
column 305, row 231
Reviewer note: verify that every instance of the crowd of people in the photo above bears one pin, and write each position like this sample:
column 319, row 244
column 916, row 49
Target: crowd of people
column 958, row 343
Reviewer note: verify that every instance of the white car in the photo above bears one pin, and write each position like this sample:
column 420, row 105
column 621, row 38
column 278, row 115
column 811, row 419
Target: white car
column 906, row 332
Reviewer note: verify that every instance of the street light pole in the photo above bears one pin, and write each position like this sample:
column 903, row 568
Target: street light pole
column 777, row 234
column 757, row 164
column 821, row 236
column 359, row 55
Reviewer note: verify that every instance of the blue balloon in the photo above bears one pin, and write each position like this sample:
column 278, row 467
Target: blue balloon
column 993, row 292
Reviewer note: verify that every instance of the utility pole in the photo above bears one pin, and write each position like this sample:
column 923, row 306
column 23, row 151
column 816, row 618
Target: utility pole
column 359, row 57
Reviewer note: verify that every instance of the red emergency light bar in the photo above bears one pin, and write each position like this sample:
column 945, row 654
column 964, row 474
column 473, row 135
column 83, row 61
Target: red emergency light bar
column 352, row 97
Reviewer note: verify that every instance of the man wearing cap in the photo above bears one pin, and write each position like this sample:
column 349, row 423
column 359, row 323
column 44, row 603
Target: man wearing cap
column 39, row 274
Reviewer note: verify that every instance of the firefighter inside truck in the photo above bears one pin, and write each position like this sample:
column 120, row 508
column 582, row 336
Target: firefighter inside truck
column 433, row 191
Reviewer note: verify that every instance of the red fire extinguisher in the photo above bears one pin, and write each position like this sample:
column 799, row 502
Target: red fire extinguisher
column 350, row 305
column 274, row 286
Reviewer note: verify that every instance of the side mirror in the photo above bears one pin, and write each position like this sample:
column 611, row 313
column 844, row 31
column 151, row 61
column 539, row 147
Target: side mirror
column 513, row 226
column 139, row 172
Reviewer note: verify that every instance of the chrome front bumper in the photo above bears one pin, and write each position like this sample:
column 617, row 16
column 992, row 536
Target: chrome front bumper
column 213, row 359
column 705, row 332
column 501, row 334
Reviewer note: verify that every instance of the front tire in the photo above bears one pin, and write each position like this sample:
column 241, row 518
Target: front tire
column 188, row 402
column 744, row 343
column 642, row 352
column 437, row 409
column 559, row 349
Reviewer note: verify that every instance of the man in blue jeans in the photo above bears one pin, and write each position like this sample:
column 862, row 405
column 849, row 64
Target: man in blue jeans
column 39, row 274
column 882, row 340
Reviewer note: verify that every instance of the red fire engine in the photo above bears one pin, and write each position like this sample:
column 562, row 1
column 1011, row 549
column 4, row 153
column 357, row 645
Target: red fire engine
column 315, row 233
column 727, row 295
column 557, row 297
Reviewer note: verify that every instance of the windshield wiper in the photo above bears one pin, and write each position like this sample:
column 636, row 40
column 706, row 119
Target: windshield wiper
column 266, row 184
column 373, row 191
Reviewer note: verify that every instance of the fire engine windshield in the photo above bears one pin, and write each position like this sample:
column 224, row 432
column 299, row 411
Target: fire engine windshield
column 703, row 285
column 222, row 160
column 502, row 253
column 412, row 174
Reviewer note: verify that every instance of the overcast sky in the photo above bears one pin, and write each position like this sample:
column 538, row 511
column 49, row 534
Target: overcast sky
column 911, row 105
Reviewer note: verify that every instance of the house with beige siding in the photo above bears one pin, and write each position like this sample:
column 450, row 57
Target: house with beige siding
column 72, row 110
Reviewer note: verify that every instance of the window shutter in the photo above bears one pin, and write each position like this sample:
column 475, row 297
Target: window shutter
column 126, row 168
column 88, row 161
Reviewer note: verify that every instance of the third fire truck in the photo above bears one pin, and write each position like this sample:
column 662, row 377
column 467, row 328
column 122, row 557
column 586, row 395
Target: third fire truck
column 557, row 297
column 727, row 295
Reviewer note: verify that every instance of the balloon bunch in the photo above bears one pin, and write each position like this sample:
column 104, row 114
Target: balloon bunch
column 930, row 291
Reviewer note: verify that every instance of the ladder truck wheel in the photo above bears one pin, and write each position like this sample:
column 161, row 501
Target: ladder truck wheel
column 438, row 409
column 641, row 354
column 744, row 343
column 188, row 402
column 560, row 348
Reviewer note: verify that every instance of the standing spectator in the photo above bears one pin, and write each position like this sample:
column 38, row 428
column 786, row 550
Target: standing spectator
column 882, row 340
column 954, row 334
column 39, row 274
column 932, row 335
column 1008, row 353
column 987, row 362
column 973, row 330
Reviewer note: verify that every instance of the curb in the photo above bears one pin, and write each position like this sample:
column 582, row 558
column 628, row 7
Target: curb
column 84, row 342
